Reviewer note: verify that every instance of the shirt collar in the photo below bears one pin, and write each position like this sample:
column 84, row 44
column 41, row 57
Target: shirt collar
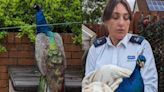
column 124, row 41
column 109, row 41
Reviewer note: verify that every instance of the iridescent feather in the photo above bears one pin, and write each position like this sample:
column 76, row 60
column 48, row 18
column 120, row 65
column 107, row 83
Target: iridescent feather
column 135, row 82
column 49, row 53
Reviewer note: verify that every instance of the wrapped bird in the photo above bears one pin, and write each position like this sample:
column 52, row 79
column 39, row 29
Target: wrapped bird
column 112, row 78
column 135, row 82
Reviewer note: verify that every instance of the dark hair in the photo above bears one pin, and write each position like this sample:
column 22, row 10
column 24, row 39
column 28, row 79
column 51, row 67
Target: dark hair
column 110, row 7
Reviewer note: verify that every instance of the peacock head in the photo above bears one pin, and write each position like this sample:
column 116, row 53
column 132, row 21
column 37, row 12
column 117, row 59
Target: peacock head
column 141, row 60
column 37, row 7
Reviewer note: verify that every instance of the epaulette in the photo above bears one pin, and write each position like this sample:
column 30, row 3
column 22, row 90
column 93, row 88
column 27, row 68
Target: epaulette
column 100, row 41
column 137, row 39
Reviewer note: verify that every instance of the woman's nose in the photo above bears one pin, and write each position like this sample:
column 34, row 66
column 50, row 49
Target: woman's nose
column 121, row 21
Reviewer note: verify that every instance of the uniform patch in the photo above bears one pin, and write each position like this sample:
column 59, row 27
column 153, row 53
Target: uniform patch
column 131, row 58
column 100, row 41
column 136, row 39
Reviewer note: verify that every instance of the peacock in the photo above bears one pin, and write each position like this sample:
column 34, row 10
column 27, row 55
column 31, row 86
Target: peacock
column 135, row 82
column 49, row 54
column 118, row 79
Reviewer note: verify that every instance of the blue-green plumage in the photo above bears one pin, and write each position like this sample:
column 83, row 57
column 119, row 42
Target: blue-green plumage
column 43, row 27
column 49, row 56
column 40, row 20
column 135, row 82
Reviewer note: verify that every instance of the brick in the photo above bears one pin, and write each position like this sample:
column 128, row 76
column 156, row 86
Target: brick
column 25, row 39
column 11, row 37
column 4, row 76
column 17, row 39
column 67, row 47
column 11, row 47
column 25, row 47
column 67, row 38
column 27, row 54
column 4, row 89
column 76, row 54
column 19, row 46
column 4, row 54
column 3, row 69
column 72, row 47
column 13, row 54
column 74, row 62
column 8, row 61
column 26, row 61
column 3, row 83
column 68, row 55
column 76, row 47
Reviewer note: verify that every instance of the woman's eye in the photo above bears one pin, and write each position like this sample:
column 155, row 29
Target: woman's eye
column 126, row 17
column 115, row 16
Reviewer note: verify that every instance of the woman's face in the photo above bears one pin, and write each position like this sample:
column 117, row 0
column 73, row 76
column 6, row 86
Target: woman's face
column 118, row 24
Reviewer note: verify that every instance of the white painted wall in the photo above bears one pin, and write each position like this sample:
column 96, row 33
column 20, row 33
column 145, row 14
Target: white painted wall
column 131, row 3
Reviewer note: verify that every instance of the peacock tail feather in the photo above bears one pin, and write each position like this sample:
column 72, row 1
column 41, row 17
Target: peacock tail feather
column 42, row 83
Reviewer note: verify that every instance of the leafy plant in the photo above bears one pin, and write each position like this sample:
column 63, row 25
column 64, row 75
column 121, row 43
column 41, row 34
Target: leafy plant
column 2, row 35
column 92, row 10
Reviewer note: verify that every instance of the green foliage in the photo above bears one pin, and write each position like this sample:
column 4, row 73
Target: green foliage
column 2, row 48
column 2, row 35
column 77, row 38
column 21, row 13
column 92, row 10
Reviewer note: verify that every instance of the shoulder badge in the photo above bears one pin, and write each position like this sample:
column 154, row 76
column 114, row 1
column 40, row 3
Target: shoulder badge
column 99, row 41
column 136, row 39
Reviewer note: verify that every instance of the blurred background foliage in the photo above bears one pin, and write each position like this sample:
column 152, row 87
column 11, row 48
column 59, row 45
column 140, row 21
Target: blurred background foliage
column 92, row 10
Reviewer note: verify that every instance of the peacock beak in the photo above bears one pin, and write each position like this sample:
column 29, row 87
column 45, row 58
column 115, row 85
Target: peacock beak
column 142, row 64
column 141, row 60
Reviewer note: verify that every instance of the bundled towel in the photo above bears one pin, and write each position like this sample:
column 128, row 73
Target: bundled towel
column 105, row 79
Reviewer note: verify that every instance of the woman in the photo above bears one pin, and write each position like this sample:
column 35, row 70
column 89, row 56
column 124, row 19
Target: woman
column 120, row 47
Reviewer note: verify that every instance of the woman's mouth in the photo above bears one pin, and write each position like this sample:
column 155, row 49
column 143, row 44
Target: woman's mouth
column 120, row 30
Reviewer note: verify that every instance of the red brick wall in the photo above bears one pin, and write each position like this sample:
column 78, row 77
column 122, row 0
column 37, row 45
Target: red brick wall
column 73, row 52
column 21, row 52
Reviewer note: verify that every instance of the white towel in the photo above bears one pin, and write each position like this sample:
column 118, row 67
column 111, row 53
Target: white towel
column 105, row 79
